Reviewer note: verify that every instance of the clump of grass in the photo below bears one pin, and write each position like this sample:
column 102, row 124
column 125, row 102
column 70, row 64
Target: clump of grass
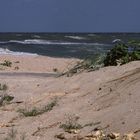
column 11, row 135
column 88, row 64
column 3, row 87
column 71, row 123
column 5, row 98
column 8, row 98
column 38, row 111
column 29, row 113
column 50, row 106
column 6, row 63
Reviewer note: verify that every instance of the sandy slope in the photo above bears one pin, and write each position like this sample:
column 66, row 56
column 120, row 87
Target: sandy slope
column 109, row 96
column 35, row 63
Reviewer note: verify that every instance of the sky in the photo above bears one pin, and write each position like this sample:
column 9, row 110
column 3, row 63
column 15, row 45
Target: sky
column 69, row 15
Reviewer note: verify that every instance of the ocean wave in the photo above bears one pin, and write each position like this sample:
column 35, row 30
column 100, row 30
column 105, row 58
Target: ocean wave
column 46, row 42
column 76, row 37
column 116, row 40
column 3, row 42
column 6, row 51
column 92, row 35
column 18, row 34
column 36, row 36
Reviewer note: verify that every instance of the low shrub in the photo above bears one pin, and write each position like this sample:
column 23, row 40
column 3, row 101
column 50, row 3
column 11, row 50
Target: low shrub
column 71, row 123
column 38, row 111
column 7, row 63
column 122, row 54
column 3, row 87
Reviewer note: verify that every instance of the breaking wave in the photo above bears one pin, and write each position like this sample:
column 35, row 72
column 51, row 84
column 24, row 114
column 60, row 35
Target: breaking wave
column 46, row 42
column 76, row 37
column 7, row 51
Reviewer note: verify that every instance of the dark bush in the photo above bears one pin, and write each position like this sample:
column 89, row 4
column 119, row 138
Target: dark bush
column 7, row 63
column 122, row 54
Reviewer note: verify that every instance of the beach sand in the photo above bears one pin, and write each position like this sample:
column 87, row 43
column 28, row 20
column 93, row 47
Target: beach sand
column 108, row 98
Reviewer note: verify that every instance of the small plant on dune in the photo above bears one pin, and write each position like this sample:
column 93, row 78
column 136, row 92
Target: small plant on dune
column 88, row 64
column 7, row 63
column 38, row 111
column 12, row 135
column 29, row 113
column 5, row 99
column 50, row 106
column 3, row 87
column 71, row 123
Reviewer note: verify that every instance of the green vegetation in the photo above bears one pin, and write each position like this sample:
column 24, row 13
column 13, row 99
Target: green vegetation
column 7, row 98
column 120, row 54
column 38, row 111
column 4, row 98
column 71, row 124
column 6, row 63
column 88, row 64
column 3, row 87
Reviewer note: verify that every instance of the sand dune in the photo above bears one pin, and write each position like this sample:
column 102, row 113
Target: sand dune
column 108, row 98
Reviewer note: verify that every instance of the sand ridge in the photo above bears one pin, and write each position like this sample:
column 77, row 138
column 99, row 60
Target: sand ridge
column 109, row 96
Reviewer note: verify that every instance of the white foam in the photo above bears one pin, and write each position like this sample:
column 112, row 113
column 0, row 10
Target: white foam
column 92, row 35
column 46, row 42
column 6, row 51
column 76, row 37
column 36, row 36
column 116, row 40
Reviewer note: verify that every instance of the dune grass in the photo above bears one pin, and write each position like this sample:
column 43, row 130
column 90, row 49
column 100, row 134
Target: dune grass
column 38, row 111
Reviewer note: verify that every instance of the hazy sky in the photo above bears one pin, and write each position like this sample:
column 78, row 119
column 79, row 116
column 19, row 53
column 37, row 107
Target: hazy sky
column 70, row 15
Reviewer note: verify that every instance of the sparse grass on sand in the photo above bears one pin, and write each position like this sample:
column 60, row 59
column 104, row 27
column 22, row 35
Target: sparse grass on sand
column 13, row 135
column 6, row 63
column 3, row 87
column 38, row 111
column 71, row 123
column 4, row 97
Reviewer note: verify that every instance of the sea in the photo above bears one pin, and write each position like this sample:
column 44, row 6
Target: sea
column 66, row 45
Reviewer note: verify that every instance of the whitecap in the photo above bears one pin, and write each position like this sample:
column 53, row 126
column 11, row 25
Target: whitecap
column 76, row 37
column 36, row 36
column 116, row 41
column 46, row 42
column 92, row 35
column 7, row 51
